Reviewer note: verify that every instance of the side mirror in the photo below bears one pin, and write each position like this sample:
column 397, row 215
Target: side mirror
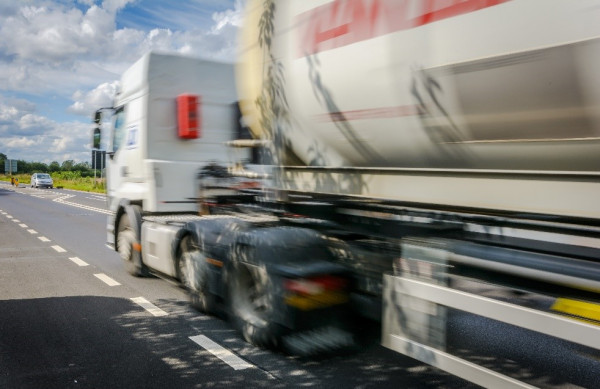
column 97, row 117
column 96, row 138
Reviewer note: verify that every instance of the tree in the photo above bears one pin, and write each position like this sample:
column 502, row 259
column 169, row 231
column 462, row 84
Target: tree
column 67, row 165
column 23, row 166
column 54, row 167
column 3, row 158
column 38, row 167
column 82, row 166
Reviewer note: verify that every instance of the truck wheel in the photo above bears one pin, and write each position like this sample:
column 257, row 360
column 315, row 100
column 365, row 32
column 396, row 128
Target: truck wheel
column 128, row 237
column 192, row 271
column 251, row 304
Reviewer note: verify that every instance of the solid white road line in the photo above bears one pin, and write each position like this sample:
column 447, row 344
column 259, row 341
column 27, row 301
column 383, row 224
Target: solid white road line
column 32, row 231
column 63, row 200
column 79, row 262
column 59, row 249
column 23, row 225
column 106, row 279
column 221, row 352
column 148, row 306
column 43, row 239
column 97, row 198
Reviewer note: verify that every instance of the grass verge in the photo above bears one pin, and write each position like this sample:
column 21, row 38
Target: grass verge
column 67, row 180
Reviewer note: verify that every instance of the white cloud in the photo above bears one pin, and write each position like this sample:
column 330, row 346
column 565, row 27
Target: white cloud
column 60, row 142
column 102, row 96
column 32, row 124
column 115, row 5
column 16, row 116
column 48, row 46
column 54, row 51
column 43, row 34
column 230, row 17
column 8, row 114
column 29, row 136
column 20, row 142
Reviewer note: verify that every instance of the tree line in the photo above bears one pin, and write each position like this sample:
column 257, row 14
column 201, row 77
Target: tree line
column 84, row 168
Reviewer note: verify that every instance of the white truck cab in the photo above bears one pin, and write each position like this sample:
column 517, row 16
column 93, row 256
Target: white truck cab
column 149, row 161
column 152, row 163
column 171, row 116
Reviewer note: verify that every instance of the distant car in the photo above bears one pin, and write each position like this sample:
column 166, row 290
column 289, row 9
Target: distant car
column 41, row 180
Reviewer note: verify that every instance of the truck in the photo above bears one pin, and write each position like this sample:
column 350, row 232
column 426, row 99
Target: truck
column 408, row 157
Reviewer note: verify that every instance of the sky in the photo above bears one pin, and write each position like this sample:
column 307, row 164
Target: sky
column 60, row 60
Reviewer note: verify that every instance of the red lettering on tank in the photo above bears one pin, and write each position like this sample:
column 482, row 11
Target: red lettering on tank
column 343, row 22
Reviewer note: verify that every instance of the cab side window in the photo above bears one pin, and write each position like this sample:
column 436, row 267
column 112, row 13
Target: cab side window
column 119, row 128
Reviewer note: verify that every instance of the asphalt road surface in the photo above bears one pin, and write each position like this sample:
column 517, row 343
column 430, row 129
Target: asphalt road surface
column 71, row 317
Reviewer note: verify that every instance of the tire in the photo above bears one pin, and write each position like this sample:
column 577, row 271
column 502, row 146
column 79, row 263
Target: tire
column 192, row 272
column 128, row 235
column 251, row 305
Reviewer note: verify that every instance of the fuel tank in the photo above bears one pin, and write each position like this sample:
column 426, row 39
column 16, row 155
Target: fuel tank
column 465, row 84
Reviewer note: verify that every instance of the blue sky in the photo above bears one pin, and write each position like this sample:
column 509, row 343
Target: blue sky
column 62, row 59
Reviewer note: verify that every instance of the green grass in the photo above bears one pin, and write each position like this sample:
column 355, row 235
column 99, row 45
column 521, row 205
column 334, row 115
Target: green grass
column 67, row 180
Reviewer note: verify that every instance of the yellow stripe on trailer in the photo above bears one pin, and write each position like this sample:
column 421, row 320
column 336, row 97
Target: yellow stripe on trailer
column 580, row 309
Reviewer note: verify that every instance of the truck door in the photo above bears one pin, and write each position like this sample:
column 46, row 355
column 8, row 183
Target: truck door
column 114, row 163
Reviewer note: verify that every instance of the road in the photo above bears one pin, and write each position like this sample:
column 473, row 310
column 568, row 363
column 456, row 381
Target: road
column 71, row 317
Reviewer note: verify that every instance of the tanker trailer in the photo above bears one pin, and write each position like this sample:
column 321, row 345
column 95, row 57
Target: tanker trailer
column 486, row 104
column 443, row 147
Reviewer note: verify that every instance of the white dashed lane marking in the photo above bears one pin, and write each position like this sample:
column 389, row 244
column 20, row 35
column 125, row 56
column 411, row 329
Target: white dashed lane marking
column 79, row 262
column 22, row 225
column 106, row 279
column 16, row 221
column 43, row 239
column 221, row 352
column 148, row 306
column 59, row 249
column 8, row 216
column 32, row 231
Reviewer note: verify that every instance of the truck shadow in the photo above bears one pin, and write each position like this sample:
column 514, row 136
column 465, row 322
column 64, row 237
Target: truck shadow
column 105, row 342
column 102, row 342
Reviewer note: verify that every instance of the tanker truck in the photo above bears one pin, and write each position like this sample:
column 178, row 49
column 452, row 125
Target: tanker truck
column 413, row 155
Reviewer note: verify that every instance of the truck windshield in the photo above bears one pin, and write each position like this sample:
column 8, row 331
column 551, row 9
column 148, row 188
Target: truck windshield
column 119, row 129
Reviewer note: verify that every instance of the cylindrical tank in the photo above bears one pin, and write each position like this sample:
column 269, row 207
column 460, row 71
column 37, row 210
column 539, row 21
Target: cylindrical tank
column 466, row 84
